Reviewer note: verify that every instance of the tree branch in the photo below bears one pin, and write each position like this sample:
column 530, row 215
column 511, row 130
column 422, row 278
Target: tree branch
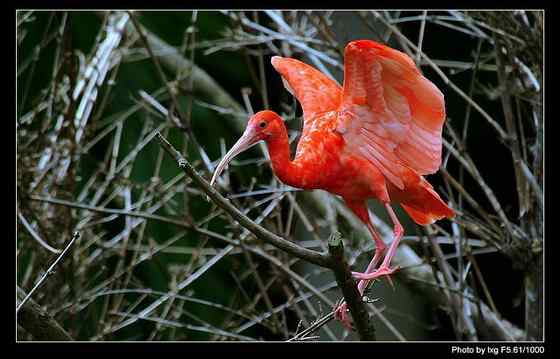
column 352, row 297
column 38, row 322
column 260, row 232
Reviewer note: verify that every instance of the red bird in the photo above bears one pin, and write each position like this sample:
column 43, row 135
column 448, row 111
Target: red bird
column 373, row 138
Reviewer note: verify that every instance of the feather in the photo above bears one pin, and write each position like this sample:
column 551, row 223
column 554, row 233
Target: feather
column 398, row 113
column 315, row 91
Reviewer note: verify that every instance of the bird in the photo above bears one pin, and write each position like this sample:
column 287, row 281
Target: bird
column 374, row 137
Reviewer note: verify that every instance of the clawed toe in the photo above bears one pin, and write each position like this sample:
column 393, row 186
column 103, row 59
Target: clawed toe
column 341, row 311
column 341, row 314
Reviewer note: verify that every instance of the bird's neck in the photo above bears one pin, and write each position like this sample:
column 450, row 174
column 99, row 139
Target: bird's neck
column 282, row 165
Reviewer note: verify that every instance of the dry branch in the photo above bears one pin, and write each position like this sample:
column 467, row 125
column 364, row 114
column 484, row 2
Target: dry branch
column 38, row 322
column 347, row 284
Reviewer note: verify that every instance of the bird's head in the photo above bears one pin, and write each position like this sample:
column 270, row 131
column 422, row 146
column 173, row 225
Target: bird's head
column 262, row 126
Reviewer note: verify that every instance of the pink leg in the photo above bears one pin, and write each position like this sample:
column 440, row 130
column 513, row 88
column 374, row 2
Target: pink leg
column 360, row 209
column 380, row 248
column 384, row 269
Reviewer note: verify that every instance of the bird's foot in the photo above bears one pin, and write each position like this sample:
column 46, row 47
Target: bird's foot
column 341, row 314
column 381, row 271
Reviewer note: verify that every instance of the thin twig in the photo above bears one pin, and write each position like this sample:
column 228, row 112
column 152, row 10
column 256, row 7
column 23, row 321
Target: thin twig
column 421, row 36
column 312, row 328
column 36, row 236
column 48, row 272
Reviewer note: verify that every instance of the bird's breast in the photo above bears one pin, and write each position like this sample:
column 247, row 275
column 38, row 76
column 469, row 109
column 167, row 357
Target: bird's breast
column 318, row 157
column 322, row 162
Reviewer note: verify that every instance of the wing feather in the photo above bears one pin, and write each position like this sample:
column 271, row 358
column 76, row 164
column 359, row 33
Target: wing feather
column 314, row 90
column 391, row 114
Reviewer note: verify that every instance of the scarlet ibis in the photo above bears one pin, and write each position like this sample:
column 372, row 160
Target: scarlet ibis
column 376, row 137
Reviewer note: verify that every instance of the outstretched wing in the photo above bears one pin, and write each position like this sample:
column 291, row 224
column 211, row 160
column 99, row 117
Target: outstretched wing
column 390, row 113
column 315, row 91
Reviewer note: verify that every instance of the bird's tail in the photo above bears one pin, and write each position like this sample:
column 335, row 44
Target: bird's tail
column 427, row 207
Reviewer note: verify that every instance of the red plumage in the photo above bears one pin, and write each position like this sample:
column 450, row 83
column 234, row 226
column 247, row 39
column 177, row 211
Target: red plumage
column 374, row 137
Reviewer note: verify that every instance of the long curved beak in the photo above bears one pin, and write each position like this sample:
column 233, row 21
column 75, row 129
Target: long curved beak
column 247, row 140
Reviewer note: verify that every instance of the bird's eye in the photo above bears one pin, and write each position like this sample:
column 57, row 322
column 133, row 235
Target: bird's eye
column 262, row 124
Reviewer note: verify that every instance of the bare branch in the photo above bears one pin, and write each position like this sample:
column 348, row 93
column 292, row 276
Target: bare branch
column 36, row 321
column 347, row 284
column 260, row 232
